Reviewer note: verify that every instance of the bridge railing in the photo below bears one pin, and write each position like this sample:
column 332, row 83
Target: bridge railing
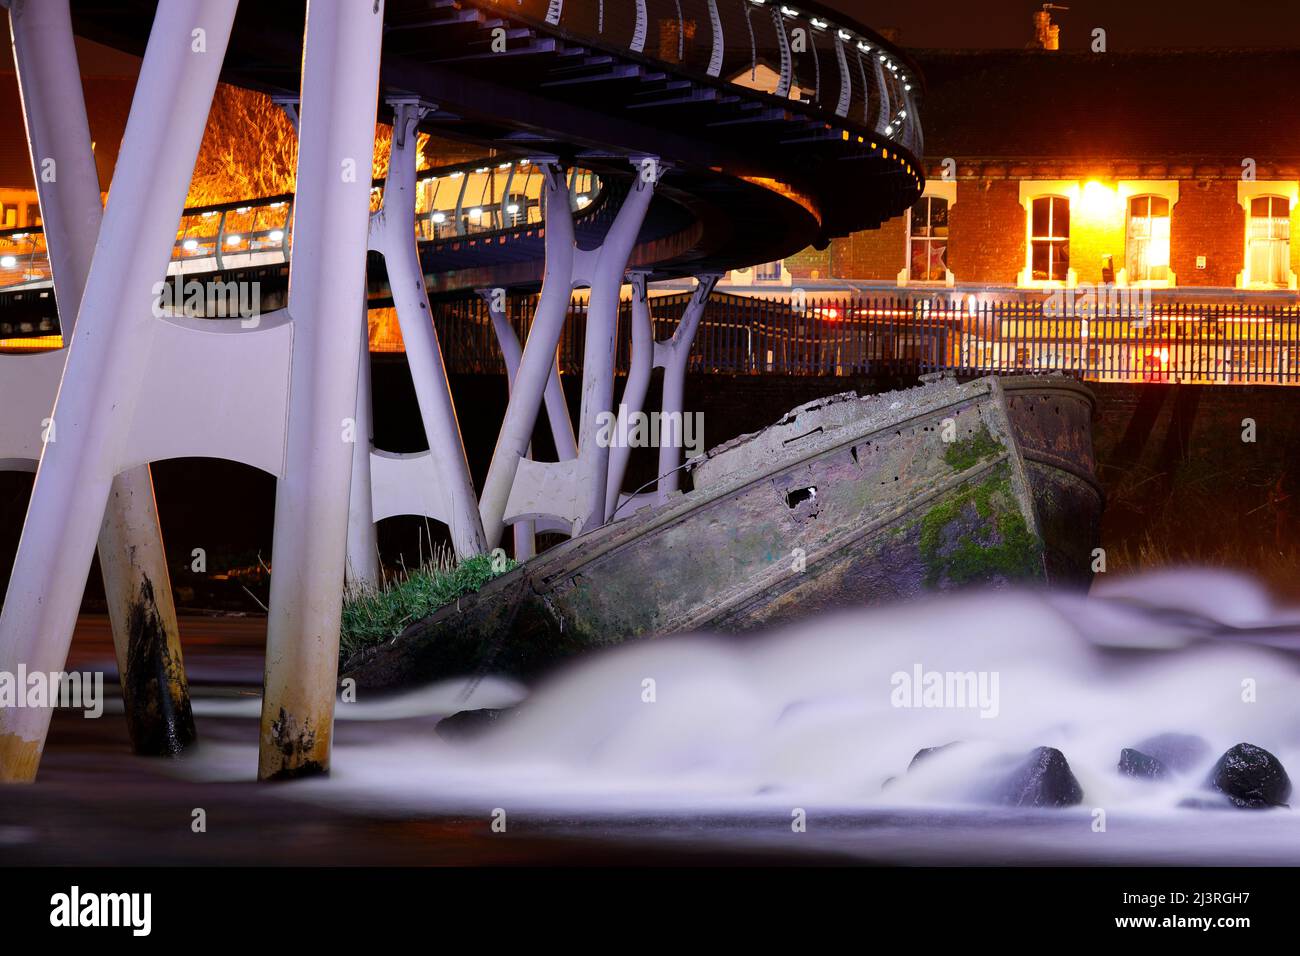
column 1218, row 343
column 463, row 200
column 821, row 60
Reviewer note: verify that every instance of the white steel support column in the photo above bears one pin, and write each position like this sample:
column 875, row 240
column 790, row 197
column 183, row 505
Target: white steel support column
column 340, row 80
column 636, row 387
column 601, row 343
column 571, row 493
column 105, row 364
column 672, row 356
column 392, row 233
column 363, row 570
column 511, row 352
column 538, row 359
column 136, row 582
column 557, row 409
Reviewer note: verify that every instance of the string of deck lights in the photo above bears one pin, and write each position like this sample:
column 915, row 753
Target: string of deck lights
column 895, row 125
column 863, row 46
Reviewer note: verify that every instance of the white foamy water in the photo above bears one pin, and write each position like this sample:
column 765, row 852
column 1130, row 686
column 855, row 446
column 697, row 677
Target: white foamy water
column 652, row 738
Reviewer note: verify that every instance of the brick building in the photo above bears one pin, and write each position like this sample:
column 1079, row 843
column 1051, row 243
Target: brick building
column 1048, row 170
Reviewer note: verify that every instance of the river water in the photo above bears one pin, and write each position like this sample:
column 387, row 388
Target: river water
column 791, row 745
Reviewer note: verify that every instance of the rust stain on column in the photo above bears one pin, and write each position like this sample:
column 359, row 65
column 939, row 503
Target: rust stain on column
column 299, row 751
column 154, row 690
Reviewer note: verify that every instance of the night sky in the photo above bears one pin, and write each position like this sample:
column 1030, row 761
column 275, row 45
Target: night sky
column 1129, row 24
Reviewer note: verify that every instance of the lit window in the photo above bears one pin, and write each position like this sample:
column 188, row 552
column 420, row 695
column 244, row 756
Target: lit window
column 768, row 272
column 1148, row 239
column 1268, row 241
column 1050, row 239
column 927, row 250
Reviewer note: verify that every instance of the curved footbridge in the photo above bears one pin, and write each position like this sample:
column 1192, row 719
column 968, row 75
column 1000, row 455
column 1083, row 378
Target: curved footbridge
column 624, row 141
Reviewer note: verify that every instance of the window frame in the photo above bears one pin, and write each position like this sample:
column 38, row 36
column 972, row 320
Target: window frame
column 1030, row 190
column 1247, row 192
column 1149, row 217
column 1273, row 241
column 1052, row 239
column 1128, row 190
column 945, row 189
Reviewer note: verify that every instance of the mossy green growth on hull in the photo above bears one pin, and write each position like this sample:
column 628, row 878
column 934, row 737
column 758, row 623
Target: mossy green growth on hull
column 969, row 452
column 979, row 534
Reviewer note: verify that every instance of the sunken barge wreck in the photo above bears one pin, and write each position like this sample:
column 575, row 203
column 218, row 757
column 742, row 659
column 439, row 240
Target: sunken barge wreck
column 846, row 501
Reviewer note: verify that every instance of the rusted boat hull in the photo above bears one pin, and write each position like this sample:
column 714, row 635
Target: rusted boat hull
column 846, row 501
column 1052, row 421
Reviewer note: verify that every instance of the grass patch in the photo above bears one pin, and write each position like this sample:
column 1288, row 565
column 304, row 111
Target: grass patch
column 373, row 616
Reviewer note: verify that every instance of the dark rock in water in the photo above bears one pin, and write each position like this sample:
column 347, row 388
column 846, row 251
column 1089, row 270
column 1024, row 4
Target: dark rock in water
column 1251, row 777
column 1134, row 763
column 469, row 724
column 1178, row 752
column 925, row 752
column 1044, row 780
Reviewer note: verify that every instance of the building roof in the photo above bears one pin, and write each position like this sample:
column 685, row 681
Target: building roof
column 1158, row 106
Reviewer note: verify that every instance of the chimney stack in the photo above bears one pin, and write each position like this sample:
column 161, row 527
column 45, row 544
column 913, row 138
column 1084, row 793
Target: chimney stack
column 1047, row 35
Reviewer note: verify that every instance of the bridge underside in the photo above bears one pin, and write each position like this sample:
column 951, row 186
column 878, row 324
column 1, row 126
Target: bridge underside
column 751, row 178
column 697, row 175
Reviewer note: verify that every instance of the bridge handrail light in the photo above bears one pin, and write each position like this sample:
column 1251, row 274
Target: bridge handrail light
column 476, row 214
column 234, row 239
column 504, row 166
column 864, row 46
column 789, row 13
column 457, row 174
column 243, row 209
column 189, row 245
column 845, row 35
column 481, row 169
column 7, row 262
column 513, row 208
column 819, row 24
column 439, row 217
column 276, row 235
